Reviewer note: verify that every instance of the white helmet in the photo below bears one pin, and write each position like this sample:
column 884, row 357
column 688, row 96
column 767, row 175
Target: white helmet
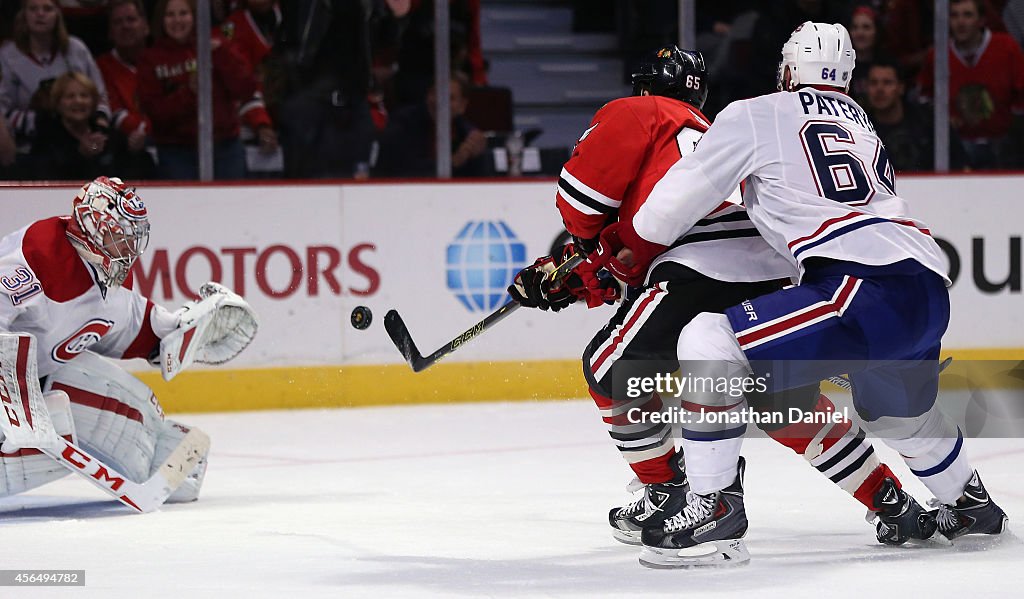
column 109, row 227
column 818, row 54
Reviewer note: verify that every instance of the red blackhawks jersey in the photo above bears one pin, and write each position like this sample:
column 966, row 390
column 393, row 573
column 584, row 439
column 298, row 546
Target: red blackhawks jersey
column 241, row 29
column 630, row 144
column 986, row 89
column 121, row 80
column 48, row 290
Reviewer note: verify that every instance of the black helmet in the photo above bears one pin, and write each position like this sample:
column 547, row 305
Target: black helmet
column 675, row 73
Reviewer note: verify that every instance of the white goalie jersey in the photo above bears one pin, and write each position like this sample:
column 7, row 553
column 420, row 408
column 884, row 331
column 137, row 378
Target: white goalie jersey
column 48, row 290
column 818, row 182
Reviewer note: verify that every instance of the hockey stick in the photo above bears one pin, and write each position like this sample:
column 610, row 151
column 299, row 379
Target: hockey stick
column 400, row 336
column 843, row 382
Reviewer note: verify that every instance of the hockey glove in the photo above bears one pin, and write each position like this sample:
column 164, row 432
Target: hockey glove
column 625, row 254
column 533, row 287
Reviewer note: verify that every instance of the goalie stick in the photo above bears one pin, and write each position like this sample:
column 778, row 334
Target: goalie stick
column 145, row 496
column 399, row 333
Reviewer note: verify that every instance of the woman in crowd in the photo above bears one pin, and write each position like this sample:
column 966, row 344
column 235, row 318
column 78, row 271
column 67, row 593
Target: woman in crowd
column 866, row 38
column 71, row 145
column 41, row 50
column 167, row 92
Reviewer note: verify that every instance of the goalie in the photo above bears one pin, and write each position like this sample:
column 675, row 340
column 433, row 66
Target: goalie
column 66, row 290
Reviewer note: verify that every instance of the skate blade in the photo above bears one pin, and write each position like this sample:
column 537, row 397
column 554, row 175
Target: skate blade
column 715, row 554
column 627, row 537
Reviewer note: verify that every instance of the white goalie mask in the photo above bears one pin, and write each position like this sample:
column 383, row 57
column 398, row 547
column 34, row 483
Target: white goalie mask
column 817, row 54
column 109, row 227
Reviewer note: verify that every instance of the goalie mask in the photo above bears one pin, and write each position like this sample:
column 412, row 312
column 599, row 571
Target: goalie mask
column 109, row 227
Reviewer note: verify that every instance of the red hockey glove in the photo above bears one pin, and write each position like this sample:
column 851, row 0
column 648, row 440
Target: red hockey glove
column 625, row 254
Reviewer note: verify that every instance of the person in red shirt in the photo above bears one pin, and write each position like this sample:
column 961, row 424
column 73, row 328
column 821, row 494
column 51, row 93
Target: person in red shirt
column 630, row 145
column 167, row 88
column 253, row 28
column 128, row 32
column 986, row 86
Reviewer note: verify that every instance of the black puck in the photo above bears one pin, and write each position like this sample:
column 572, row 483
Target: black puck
column 361, row 317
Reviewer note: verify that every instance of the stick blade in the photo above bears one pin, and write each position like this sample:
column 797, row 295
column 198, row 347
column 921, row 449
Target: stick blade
column 400, row 336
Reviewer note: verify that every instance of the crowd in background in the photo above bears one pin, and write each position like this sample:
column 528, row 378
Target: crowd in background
column 893, row 79
column 344, row 88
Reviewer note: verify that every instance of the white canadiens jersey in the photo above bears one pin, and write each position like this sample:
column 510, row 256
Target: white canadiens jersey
column 48, row 290
column 818, row 183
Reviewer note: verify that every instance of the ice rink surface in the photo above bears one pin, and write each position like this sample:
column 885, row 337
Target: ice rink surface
column 480, row 500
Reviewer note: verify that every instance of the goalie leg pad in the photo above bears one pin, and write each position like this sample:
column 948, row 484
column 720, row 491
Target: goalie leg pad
column 116, row 415
column 29, row 468
column 120, row 420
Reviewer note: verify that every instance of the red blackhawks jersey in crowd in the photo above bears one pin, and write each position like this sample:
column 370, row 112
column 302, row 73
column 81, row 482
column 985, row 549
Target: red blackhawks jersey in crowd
column 241, row 29
column 121, row 80
column 985, row 90
column 630, row 144
column 48, row 290
column 165, row 70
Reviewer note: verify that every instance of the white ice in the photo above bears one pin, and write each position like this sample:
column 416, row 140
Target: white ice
column 473, row 500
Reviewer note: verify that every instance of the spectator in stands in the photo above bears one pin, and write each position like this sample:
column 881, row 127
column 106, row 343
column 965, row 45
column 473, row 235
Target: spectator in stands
column 778, row 20
column 986, row 87
column 408, row 146
column 40, row 51
column 326, row 128
column 1013, row 17
column 254, row 27
column 128, row 32
column 416, row 55
column 865, row 35
column 905, row 129
column 908, row 32
column 87, row 20
column 167, row 91
column 70, row 145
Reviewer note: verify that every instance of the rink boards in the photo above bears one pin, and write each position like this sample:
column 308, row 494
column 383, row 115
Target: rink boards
column 306, row 255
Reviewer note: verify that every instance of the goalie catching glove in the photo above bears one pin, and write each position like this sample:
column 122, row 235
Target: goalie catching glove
column 212, row 330
column 534, row 288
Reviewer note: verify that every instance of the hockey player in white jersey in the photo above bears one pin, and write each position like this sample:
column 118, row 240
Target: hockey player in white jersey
column 872, row 299
column 66, row 289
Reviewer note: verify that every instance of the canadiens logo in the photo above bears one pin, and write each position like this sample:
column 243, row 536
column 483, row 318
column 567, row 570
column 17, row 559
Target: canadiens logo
column 131, row 206
column 81, row 340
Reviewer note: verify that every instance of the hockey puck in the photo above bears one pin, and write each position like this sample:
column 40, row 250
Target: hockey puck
column 361, row 317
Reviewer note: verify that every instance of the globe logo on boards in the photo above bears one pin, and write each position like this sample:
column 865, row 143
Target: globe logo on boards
column 481, row 262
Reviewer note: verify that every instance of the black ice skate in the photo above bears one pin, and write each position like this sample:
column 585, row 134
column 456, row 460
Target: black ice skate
column 660, row 501
column 707, row 531
column 900, row 518
column 973, row 513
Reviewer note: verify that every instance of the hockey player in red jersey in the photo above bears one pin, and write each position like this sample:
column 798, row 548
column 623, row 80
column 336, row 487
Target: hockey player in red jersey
column 628, row 147
column 66, row 286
